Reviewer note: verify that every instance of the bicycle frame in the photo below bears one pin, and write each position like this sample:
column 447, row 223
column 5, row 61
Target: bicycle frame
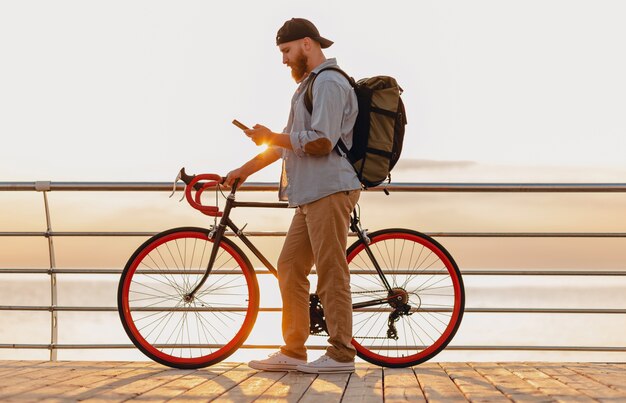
column 153, row 310
column 225, row 222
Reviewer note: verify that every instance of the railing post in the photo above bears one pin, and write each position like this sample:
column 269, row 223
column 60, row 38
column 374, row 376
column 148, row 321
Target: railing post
column 44, row 186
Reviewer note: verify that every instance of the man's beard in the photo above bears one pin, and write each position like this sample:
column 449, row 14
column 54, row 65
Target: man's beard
column 298, row 69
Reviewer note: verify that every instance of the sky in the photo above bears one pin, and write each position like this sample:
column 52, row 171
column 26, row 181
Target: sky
column 133, row 90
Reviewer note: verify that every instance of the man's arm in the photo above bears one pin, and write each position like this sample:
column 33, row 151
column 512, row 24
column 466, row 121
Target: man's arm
column 262, row 135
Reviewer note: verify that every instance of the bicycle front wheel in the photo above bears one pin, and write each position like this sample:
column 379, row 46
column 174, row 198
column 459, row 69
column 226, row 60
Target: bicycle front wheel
column 160, row 318
column 419, row 316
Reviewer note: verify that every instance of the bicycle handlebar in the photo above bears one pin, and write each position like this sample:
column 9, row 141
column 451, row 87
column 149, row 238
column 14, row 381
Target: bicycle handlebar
column 193, row 182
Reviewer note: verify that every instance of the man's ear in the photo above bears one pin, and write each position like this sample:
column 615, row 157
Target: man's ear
column 306, row 44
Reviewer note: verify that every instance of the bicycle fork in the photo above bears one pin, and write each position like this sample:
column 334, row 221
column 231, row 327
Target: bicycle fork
column 355, row 226
column 217, row 233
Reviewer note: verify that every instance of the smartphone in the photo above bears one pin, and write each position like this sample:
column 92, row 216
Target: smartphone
column 240, row 125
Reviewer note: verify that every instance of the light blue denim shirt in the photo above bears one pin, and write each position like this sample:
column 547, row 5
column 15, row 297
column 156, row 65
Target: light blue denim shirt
column 307, row 178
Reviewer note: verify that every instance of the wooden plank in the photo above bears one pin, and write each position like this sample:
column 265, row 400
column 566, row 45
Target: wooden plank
column 365, row 385
column 95, row 378
column 21, row 373
column 45, row 374
column 400, row 385
column 217, row 385
column 98, row 382
column 472, row 384
column 182, row 384
column 326, row 388
column 547, row 385
column 611, row 376
column 289, row 388
column 251, row 388
column 10, row 367
column 582, row 383
column 115, row 377
column 437, row 385
column 67, row 381
column 510, row 384
column 136, row 387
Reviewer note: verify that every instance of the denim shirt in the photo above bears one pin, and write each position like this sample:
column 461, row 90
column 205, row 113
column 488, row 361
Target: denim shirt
column 305, row 177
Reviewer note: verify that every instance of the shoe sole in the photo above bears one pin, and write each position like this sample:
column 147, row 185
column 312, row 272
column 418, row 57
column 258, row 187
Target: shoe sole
column 274, row 368
column 326, row 370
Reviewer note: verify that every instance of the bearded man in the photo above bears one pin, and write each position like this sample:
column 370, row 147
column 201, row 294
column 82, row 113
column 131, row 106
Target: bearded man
column 323, row 187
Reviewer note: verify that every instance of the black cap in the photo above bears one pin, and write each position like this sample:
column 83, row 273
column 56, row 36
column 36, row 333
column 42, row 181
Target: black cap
column 298, row 28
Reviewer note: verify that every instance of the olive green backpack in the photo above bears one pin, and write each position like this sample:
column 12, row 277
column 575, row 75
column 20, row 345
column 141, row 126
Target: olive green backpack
column 379, row 128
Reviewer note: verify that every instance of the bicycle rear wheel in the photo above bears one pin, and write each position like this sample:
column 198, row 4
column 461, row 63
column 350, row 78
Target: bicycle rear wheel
column 172, row 329
column 424, row 308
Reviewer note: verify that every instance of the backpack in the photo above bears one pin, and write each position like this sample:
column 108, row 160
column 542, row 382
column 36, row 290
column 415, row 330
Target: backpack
column 379, row 128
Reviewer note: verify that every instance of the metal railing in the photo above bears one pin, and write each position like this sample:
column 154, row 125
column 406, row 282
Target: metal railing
column 45, row 187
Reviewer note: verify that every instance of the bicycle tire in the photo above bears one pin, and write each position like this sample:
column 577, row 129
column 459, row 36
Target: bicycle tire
column 187, row 334
column 425, row 277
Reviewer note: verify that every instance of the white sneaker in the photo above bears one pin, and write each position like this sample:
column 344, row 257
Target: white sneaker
column 276, row 362
column 326, row 365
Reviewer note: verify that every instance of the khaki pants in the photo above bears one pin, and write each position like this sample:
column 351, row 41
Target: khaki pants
column 318, row 235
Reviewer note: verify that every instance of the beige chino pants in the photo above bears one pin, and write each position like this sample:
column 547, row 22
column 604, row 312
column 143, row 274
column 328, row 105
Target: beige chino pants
column 318, row 236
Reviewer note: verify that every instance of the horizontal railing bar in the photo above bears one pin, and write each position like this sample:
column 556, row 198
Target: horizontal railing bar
column 543, row 273
column 545, row 310
column 527, row 234
column 278, row 309
column 114, row 309
column 273, row 186
column 283, row 233
column 539, row 348
column 318, row 347
column 469, row 272
column 78, row 234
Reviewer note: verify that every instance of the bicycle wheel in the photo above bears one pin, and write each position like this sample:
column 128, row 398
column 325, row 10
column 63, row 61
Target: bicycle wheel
column 424, row 308
column 172, row 329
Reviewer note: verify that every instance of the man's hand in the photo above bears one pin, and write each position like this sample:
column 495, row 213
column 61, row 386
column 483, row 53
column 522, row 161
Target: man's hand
column 239, row 173
column 260, row 135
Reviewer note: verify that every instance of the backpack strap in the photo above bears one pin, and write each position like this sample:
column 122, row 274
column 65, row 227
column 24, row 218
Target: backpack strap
column 308, row 98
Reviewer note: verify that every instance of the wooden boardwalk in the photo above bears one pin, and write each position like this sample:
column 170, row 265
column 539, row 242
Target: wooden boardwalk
column 65, row 381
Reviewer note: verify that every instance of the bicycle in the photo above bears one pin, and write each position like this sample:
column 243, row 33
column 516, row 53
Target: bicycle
column 188, row 297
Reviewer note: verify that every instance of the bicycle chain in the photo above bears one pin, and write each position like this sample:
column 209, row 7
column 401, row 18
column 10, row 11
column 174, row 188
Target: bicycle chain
column 368, row 292
column 366, row 337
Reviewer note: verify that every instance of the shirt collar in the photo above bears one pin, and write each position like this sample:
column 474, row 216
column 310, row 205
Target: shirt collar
column 328, row 63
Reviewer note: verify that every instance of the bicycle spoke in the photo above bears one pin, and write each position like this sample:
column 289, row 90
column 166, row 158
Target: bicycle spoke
column 168, row 315
column 170, row 279
column 155, row 290
column 143, row 263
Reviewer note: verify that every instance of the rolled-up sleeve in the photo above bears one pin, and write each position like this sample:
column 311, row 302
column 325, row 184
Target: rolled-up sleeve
column 329, row 98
